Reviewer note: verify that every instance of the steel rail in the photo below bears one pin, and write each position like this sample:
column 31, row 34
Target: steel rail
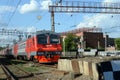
column 11, row 76
column 32, row 74
column 8, row 73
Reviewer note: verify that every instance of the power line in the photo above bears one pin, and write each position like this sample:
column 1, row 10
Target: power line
column 13, row 12
column 3, row 14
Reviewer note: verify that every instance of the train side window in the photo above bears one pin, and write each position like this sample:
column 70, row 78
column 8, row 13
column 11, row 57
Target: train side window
column 22, row 45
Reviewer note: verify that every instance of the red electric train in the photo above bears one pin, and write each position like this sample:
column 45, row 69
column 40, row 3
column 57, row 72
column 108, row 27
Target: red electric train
column 44, row 47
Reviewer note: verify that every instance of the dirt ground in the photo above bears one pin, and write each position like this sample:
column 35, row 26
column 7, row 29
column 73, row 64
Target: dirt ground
column 52, row 73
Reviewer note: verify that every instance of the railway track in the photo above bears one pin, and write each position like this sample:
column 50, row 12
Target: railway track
column 2, row 74
column 8, row 73
column 20, row 70
column 14, row 72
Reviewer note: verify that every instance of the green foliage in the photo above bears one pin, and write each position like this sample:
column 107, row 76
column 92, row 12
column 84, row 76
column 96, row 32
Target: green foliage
column 1, row 48
column 117, row 42
column 101, row 49
column 88, row 48
column 70, row 43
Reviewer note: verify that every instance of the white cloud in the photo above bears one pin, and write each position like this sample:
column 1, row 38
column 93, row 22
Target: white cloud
column 112, row 1
column 32, row 7
column 104, row 21
column 6, row 9
column 31, row 29
column 100, row 20
column 45, row 4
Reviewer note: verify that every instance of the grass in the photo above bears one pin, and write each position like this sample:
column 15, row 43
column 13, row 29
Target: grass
column 29, row 67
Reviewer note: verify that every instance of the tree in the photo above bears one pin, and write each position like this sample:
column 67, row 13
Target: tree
column 117, row 42
column 70, row 43
column 1, row 48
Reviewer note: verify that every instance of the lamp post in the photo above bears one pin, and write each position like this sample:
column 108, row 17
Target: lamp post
column 64, row 44
column 105, row 41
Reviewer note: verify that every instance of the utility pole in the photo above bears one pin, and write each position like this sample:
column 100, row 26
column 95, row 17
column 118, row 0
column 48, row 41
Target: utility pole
column 52, row 17
column 52, row 21
column 105, row 41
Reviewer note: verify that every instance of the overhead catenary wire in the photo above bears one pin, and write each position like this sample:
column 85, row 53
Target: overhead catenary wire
column 3, row 15
column 13, row 12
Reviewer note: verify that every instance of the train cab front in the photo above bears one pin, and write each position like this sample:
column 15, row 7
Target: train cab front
column 48, row 48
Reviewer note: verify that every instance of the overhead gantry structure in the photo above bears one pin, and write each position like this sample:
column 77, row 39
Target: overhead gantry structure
column 4, row 31
column 13, row 33
column 82, row 7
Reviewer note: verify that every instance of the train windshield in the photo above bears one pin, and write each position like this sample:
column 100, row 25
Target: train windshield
column 42, row 39
column 54, row 39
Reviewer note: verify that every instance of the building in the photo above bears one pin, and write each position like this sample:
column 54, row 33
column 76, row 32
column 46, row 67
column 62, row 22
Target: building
column 110, row 43
column 89, row 37
column 92, row 40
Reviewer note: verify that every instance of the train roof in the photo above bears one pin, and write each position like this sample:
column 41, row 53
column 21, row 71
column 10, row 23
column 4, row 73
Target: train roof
column 45, row 32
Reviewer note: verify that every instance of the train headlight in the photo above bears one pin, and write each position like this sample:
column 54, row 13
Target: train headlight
column 58, row 53
column 40, row 53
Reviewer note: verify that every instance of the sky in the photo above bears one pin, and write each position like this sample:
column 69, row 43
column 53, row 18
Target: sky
column 34, row 15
